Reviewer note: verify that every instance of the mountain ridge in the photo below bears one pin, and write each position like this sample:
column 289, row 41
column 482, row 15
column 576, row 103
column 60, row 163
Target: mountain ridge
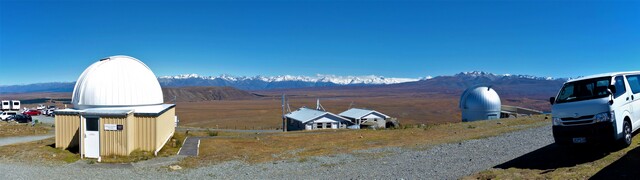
column 283, row 81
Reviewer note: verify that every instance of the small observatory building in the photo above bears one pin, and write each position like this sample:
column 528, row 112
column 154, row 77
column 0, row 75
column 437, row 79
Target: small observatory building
column 480, row 103
column 117, row 108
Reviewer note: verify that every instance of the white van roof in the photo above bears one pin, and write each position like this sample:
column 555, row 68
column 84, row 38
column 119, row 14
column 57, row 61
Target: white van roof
column 605, row 75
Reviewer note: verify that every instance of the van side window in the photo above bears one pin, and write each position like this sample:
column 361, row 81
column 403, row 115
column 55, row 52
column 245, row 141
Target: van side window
column 634, row 83
column 620, row 88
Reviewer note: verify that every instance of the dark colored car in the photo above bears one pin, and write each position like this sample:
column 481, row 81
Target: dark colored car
column 20, row 118
column 32, row 112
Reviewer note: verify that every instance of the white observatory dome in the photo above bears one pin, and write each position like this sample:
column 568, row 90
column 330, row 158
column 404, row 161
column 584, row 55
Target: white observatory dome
column 480, row 103
column 116, row 81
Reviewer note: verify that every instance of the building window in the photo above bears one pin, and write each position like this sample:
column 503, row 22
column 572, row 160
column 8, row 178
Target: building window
column 319, row 125
column 92, row 124
column 620, row 88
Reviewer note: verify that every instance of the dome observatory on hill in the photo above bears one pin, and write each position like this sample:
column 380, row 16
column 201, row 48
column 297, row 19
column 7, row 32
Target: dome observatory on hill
column 117, row 81
column 480, row 103
column 117, row 108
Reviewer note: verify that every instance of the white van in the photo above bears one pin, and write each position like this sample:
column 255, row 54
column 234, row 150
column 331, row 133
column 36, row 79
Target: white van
column 598, row 108
column 5, row 106
column 6, row 114
column 15, row 105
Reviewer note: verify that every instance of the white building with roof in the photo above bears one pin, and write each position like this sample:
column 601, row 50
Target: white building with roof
column 308, row 119
column 366, row 117
column 117, row 108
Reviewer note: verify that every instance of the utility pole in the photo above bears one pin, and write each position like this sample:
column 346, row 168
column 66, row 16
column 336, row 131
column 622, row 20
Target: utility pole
column 284, row 118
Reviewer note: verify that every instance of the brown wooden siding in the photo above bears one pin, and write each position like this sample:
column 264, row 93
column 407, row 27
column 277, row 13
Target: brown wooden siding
column 165, row 126
column 131, row 133
column 114, row 142
column 67, row 129
column 145, row 133
column 142, row 133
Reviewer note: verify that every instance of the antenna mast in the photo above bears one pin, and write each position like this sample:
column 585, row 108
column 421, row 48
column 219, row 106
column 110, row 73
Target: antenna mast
column 284, row 118
column 319, row 106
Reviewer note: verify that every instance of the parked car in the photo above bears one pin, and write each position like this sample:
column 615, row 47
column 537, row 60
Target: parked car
column 6, row 114
column 20, row 118
column 50, row 112
column 41, row 107
column 32, row 112
column 598, row 108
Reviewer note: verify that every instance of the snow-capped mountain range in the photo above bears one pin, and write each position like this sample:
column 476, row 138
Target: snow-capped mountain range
column 493, row 76
column 323, row 78
column 286, row 81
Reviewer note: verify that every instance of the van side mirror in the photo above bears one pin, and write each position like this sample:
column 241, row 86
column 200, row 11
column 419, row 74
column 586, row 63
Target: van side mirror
column 552, row 100
column 612, row 88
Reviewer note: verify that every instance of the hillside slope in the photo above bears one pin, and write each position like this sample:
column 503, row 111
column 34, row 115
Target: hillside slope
column 193, row 94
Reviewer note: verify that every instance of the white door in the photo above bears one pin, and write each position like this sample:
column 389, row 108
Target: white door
column 92, row 137
column 634, row 84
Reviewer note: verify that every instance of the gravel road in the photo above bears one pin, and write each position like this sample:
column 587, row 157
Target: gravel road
column 447, row 161
column 22, row 139
column 43, row 119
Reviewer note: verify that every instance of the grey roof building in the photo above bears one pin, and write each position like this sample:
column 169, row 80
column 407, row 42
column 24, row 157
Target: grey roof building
column 308, row 119
column 366, row 117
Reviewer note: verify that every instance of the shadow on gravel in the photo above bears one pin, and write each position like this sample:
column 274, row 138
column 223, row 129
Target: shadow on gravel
column 624, row 168
column 555, row 156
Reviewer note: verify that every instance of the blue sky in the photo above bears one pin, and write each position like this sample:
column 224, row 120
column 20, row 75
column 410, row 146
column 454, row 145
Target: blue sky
column 55, row 41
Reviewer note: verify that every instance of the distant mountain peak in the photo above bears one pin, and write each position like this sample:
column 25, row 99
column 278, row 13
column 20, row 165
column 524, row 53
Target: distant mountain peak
column 476, row 73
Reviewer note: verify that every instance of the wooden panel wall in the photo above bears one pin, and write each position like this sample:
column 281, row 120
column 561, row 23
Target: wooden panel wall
column 145, row 134
column 67, row 129
column 114, row 142
column 165, row 127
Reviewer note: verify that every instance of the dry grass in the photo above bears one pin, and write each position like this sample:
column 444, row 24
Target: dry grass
column 267, row 113
column 8, row 129
column 279, row 146
column 42, row 151
column 171, row 148
column 135, row 156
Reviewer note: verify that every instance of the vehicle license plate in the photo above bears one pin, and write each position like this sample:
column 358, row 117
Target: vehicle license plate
column 579, row 140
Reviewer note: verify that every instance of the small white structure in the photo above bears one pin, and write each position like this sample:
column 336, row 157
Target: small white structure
column 365, row 117
column 15, row 105
column 480, row 103
column 5, row 105
column 308, row 119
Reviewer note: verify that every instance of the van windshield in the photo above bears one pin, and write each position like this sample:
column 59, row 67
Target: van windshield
column 584, row 90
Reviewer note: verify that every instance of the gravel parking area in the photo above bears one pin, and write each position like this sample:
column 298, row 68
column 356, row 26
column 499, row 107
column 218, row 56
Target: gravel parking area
column 447, row 161
column 43, row 119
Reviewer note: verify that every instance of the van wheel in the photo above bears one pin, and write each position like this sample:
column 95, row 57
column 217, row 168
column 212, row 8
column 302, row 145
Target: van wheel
column 626, row 130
